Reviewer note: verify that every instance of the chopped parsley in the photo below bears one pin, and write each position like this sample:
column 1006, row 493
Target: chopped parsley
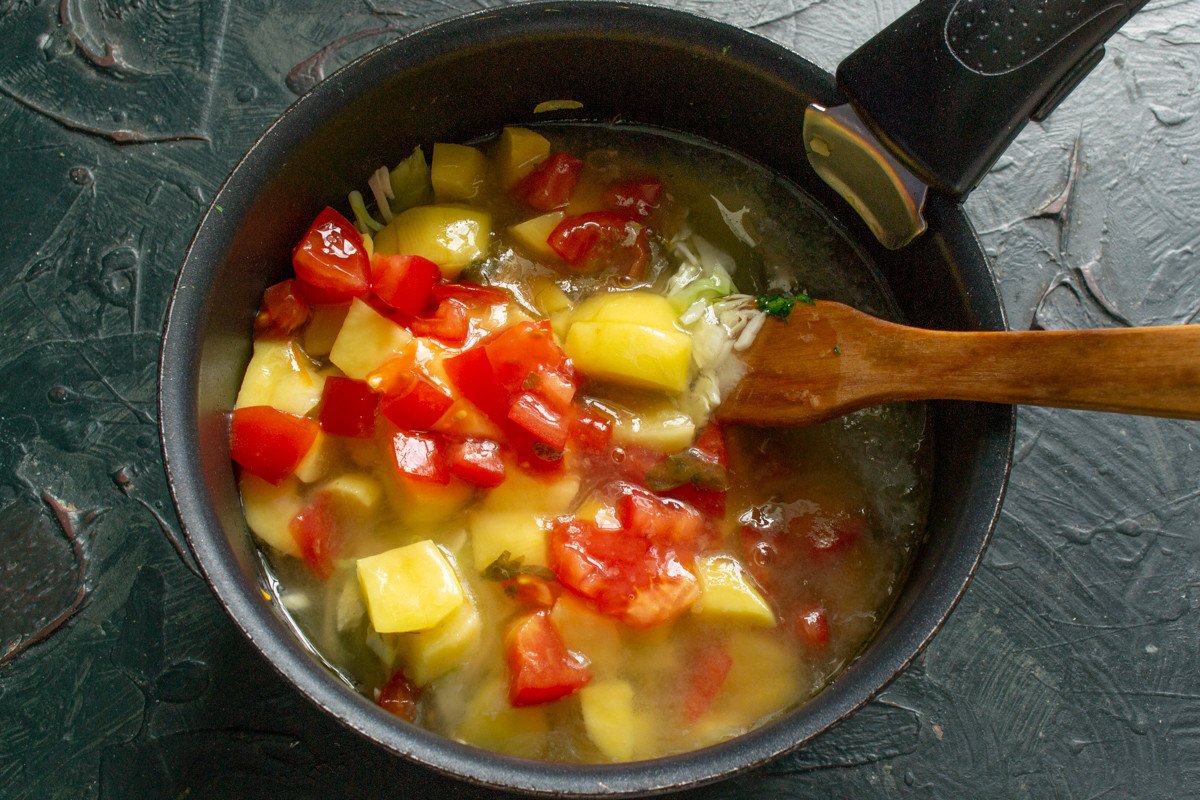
column 691, row 466
column 505, row 568
column 780, row 305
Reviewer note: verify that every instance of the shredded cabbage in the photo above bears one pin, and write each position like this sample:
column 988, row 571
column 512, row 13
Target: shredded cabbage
column 409, row 183
column 703, row 274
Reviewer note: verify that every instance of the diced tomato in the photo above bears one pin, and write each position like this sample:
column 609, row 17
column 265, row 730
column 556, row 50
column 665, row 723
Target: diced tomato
column 546, row 425
column 472, row 375
column 348, row 407
column 400, row 696
column 707, row 668
column 331, row 256
column 534, row 455
column 477, row 461
column 318, row 535
column 711, row 443
column 450, row 323
column 710, row 502
column 553, row 386
column 270, row 443
column 663, row 521
column 540, row 667
column 404, row 282
column 590, row 428
column 532, row 591
column 519, row 350
column 826, row 534
column 637, row 196
column 621, row 573
column 396, row 375
column 471, row 293
column 420, row 456
column 320, row 297
column 812, row 626
column 283, row 312
column 602, row 240
column 417, row 407
column 551, row 183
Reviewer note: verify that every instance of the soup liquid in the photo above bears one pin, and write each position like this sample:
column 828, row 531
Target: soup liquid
column 826, row 519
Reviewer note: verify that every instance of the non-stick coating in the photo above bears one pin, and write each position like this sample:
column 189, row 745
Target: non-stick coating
column 459, row 80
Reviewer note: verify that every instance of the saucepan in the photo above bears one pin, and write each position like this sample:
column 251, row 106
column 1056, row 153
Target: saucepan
column 933, row 101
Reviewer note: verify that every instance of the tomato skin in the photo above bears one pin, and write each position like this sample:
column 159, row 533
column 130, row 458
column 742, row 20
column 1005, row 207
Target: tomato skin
column 662, row 520
column 708, row 667
column 540, row 667
column 449, row 323
column 812, row 626
column 590, row 429
column 601, row 240
column 319, row 297
column 477, row 461
column 270, row 443
column 400, row 696
column 472, row 375
column 471, row 293
column 419, row 456
column 521, row 350
column 348, row 408
column 318, row 535
column 636, row 196
column 284, row 310
column 551, row 183
column 532, row 591
column 418, row 406
column 396, row 375
column 545, row 425
column 404, row 282
column 330, row 256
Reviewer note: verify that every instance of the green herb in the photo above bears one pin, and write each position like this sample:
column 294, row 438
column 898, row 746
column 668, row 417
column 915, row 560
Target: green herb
column 219, row 210
column 837, row 351
column 691, row 466
column 505, row 568
column 780, row 305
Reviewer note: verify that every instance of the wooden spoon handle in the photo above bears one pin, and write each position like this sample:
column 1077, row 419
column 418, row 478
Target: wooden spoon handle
column 828, row 360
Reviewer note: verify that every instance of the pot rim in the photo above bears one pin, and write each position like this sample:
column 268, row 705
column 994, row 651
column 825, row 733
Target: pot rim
column 243, row 602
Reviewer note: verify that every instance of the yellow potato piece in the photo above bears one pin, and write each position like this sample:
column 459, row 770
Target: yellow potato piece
column 631, row 355
column 519, row 532
column 457, row 173
column 312, row 467
column 282, row 376
column 637, row 307
column 596, row 636
column 322, row 329
column 766, row 674
column 524, row 492
column 451, row 236
column 410, row 588
column 491, row 723
column 430, row 654
column 518, row 152
column 270, row 509
column 423, row 503
column 609, row 717
column 548, row 298
column 532, row 236
column 354, row 492
column 656, row 424
column 366, row 341
column 727, row 593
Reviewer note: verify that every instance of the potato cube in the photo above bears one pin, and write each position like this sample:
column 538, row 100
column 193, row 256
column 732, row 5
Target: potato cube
column 636, row 308
column 631, row 355
column 312, row 467
column 596, row 636
column 658, row 425
column 548, row 298
column 423, row 503
column 532, row 235
column 322, row 329
column 451, row 236
column 518, row 532
column 366, row 341
column 727, row 593
column 458, row 172
column 354, row 492
column 270, row 509
column 518, row 152
column 280, row 375
column 609, row 718
column 410, row 588
column 766, row 674
column 430, row 654
column 524, row 492
column 492, row 723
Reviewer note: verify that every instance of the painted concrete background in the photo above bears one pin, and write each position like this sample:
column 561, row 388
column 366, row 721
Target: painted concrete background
column 1071, row 670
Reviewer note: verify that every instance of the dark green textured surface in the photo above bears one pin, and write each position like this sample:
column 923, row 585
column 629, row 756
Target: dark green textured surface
column 1072, row 669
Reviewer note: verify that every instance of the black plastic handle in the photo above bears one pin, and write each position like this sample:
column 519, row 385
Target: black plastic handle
column 950, row 84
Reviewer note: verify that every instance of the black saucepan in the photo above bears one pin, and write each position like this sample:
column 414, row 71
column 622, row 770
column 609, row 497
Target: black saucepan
column 469, row 76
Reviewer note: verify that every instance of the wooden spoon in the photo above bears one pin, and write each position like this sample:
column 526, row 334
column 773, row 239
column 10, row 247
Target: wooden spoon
column 827, row 359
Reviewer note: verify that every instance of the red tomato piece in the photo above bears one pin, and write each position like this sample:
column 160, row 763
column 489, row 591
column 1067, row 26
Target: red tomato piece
column 418, row 406
column 709, row 502
column 284, row 310
column 396, row 375
column 711, row 443
column 331, row 257
column 637, row 196
column 602, row 240
column 521, row 349
column 621, row 573
column 551, row 183
column 348, row 408
column 826, row 534
column 450, row 323
column 540, row 667
column 320, row 297
column 532, row 591
column 556, row 388
column 663, row 521
column 400, row 696
column 708, row 667
column 544, row 424
column 270, row 443
column 471, row 293
column 420, row 456
column 477, row 461
column 318, row 535
column 590, row 428
column 471, row 373
column 404, row 282
column 812, row 626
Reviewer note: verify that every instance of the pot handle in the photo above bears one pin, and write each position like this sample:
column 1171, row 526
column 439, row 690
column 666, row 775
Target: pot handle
column 949, row 85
